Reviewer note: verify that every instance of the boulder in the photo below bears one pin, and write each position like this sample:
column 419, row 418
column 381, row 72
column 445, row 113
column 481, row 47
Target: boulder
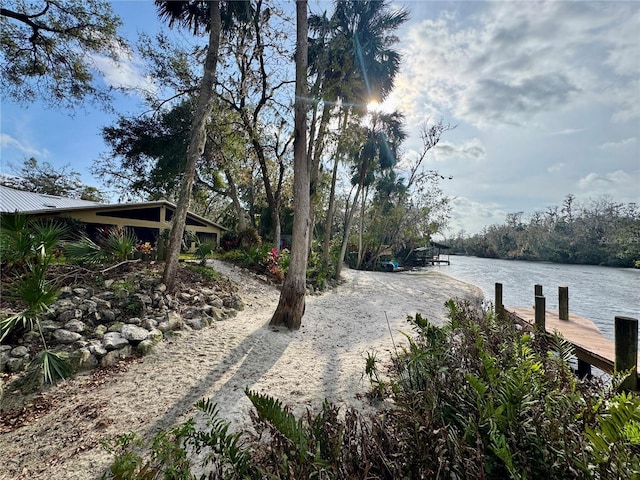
column 69, row 315
column 114, row 341
column 175, row 320
column 134, row 334
column 75, row 326
column 145, row 347
column 115, row 356
column 65, row 336
column 19, row 352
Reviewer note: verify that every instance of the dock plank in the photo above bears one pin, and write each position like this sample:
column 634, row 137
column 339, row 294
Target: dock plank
column 590, row 345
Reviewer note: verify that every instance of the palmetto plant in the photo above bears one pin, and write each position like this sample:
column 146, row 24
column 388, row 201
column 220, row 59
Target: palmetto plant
column 27, row 246
column 111, row 245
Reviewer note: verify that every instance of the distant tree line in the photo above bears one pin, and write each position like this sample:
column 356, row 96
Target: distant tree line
column 600, row 232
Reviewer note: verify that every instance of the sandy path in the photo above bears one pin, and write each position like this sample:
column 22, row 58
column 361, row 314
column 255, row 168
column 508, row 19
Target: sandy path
column 325, row 358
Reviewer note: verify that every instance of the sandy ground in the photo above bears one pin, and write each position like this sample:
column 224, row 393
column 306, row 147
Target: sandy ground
column 324, row 359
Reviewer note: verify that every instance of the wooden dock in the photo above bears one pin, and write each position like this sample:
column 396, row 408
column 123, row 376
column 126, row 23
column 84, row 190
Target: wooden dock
column 590, row 345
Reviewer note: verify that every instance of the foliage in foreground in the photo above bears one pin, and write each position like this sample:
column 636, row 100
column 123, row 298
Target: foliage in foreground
column 27, row 248
column 474, row 399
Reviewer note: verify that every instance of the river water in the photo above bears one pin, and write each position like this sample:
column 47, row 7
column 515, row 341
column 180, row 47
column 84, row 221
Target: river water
column 596, row 293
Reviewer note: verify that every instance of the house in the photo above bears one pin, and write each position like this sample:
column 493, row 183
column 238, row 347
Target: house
column 147, row 219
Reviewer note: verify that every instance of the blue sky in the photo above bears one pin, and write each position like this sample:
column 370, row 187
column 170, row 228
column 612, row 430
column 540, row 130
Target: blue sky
column 545, row 96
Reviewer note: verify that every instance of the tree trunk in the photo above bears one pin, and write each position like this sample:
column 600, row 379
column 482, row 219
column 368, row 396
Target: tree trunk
column 197, row 141
column 232, row 191
column 345, row 235
column 292, row 302
column 361, row 228
column 332, row 198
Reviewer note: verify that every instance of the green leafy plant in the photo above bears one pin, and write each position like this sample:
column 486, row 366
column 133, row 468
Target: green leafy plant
column 205, row 250
column 29, row 246
column 205, row 272
column 227, row 457
column 112, row 244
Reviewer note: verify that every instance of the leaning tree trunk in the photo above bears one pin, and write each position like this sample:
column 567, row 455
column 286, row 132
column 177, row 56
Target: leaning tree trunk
column 292, row 302
column 197, row 141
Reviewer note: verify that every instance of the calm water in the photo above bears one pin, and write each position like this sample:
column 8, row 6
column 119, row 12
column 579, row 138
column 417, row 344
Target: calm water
column 595, row 293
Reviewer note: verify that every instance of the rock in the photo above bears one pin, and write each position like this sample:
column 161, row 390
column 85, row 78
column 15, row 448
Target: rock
column 215, row 301
column 161, row 288
column 149, row 323
column 49, row 326
column 155, row 335
column 175, row 320
column 65, row 336
column 114, row 341
column 115, row 327
column 68, row 315
column 108, row 295
column 144, row 299
column 164, row 326
column 101, row 303
column 89, row 306
column 16, row 364
column 194, row 323
column 115, row 356
column 134, row 320
column 184, row 296
column 81, row 292
column 4, row 356
column 100, row 330
column 134, row 334
column 20, row 352
column 217, row 314
column 108, row 283
column 107, row 316
column 84, row 359
column 145, row 347
column 75, row 326
column 65, row 292
column 234, row 302
column 97, row 349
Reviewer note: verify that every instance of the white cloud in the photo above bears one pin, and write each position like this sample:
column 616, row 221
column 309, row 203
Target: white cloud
column 125, row 74
column 557, row 167
column 619, row 184
column 472, row 149
column 6, row 141
column 519, row 59
column 472, row 216
column 621, row 144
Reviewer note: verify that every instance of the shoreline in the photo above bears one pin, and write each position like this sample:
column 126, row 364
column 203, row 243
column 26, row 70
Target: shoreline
column 324, row 359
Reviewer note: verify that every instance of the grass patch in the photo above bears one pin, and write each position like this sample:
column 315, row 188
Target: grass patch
column 205, row 272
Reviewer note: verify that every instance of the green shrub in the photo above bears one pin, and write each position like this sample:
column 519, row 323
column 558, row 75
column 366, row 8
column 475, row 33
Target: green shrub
column 111, row 245
column 28, row 248
column 476, row 398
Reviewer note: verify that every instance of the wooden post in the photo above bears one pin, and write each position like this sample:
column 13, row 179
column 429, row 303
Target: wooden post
column 626, row 345
column 498, row 306
column 584, row 369
column 537, row 290
column 563, row 303
column 540, row 314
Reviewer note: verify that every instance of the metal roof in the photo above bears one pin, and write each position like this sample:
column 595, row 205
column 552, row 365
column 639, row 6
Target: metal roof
column 16, row 201
column 12, row 201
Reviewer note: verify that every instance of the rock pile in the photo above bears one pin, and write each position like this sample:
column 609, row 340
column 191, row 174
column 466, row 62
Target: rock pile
column 99, row 328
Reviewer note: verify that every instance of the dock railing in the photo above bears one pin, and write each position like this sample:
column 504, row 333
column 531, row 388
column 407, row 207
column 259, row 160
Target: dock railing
column 590, row 346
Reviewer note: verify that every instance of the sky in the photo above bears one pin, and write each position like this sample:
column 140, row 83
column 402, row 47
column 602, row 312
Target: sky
column 545, row 97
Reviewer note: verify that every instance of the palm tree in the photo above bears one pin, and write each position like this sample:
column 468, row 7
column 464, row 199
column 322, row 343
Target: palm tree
column 208, row 16
column 355, row 60
column 292, row 302
column 382, row 138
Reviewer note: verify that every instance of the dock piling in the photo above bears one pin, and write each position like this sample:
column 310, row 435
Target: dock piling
column 626, row 348
column 537, row 290
column 540, row 314
column 498, row 305
column 563, row 303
